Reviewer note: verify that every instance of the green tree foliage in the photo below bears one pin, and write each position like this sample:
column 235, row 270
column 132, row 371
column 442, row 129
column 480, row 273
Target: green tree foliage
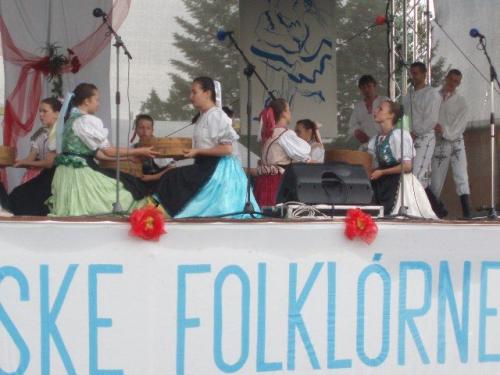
column 203, row 55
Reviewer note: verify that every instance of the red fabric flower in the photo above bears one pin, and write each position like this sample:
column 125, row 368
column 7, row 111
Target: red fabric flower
column 75, row 65
column 359, row 224
column 147, row 223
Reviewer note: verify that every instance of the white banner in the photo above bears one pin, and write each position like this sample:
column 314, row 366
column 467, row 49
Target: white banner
column 292, row 45
column 298, row 298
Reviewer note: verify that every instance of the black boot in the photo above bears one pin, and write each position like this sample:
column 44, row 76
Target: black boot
column 464, row 200
column 436, row 204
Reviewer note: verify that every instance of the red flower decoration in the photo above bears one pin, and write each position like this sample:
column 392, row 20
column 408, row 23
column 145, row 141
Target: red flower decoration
column 147, row 223
column 75, row 64
column 359, row 224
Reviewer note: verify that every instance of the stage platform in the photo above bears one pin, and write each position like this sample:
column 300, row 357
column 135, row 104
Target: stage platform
column 79, row 295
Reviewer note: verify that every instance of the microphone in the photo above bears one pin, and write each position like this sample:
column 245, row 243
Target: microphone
column 222, row 35
column 474, row 33
column 98, row 12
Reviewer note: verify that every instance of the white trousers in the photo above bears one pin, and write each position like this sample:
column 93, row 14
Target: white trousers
column 424, row 148
column 447, row 152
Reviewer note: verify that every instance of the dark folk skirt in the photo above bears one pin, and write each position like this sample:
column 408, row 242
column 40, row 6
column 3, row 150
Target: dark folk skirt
column 134, row 185
column 4, row 198
column 29, row 198
column 179, row 185
column 385, row 190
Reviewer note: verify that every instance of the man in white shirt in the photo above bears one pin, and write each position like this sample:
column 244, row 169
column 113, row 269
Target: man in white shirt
column 362, row 125
column 422, row 103
column 450, row 147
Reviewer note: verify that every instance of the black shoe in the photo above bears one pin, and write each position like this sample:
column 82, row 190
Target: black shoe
column 464, row 201
column 437, row 206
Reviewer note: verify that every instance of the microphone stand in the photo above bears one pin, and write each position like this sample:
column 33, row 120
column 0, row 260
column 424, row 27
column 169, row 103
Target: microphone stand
column 117, row 208
column 249, row 71
column 492, row 212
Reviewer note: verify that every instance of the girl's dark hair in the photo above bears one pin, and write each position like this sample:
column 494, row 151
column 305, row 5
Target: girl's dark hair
column 54, row 103
column 278, row 106
column 83, row 91
column 309, row 125
column 396, row 109
column 206, row 84
column 143, row 116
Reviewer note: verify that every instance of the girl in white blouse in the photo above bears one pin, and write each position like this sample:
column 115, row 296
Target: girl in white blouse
column 308, row 130
column 386, row 150
column 215, row 185
column 79, row 186
column 280, row 147
column 29, row 198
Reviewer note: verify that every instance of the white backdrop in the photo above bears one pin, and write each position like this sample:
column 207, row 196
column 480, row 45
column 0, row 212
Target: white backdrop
column 31, row 27
column 292, row 44
column 247, row 298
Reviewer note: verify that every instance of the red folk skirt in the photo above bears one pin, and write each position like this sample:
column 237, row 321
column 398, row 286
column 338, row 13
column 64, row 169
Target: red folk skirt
column 266, row 189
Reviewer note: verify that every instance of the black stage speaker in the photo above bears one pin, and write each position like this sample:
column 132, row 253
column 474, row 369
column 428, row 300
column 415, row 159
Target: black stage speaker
column 329, row 183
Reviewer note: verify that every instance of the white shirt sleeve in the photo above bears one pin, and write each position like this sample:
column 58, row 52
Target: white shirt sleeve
column 395, row 143
column 296, row 148
column 456, row 119
column 220, row 128
column 91, row 132
column 354, row 122
column 318, row 153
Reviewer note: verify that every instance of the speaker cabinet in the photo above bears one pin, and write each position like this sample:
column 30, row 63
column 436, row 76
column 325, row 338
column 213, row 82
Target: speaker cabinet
column 329, row 183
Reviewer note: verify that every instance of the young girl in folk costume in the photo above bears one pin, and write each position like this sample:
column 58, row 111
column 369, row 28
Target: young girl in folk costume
column 308, row 130
column 215, row 184
column 29, row 198
column 386, row 150
column 79, row 187
column 280, row 147
column 152, row 169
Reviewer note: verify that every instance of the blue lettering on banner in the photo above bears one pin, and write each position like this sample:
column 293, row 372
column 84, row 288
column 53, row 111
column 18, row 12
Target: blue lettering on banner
column 332, row 362
column 183, row 322
column 262, row 365
column 48, row 317
column 295, row 320
column 485, row 312
column 374, row 269
column 406, row 315
column 245, row 318
column 446, row 296
column 6, row 321
column 96, row 322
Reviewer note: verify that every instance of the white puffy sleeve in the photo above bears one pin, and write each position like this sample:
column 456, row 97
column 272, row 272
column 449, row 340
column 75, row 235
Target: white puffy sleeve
column 318, row 153
column 91, row 131
column 296, row 148
column 220, row 128
column 395, row 143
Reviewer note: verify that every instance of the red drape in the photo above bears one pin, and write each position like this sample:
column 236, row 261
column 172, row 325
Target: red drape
column 21, row 106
